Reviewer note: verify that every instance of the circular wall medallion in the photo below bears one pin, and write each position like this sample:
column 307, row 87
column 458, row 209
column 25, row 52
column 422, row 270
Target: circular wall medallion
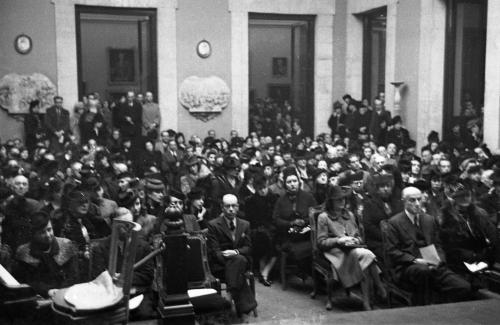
column 204, row 49
column 23, row 44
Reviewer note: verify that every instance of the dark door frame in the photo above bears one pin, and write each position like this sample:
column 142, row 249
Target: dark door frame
column 449, row 63
column 310, row 20
column 367, row 18
column 151, row 13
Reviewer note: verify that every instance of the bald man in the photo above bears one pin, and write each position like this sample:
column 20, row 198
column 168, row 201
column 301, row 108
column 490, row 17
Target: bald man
column 18, row 211
column 411, row 230
column 229, row 250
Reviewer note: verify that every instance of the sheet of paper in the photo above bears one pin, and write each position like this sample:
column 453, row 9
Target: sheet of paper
column 430, row 254
column 193, row 293
column 7, row 278
column 475, row 267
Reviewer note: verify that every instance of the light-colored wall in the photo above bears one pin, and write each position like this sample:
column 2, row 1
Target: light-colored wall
column 97, row 37
column 265, row 43
column 34, row 18
column 339, row 50
column 198, row 20
column 407, row 44
column 492, row 79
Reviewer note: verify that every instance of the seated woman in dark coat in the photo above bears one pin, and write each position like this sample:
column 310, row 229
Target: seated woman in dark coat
column 340, row 240
column 258, row 211
column 46, row 262
column 75, row 222
column 290, row 215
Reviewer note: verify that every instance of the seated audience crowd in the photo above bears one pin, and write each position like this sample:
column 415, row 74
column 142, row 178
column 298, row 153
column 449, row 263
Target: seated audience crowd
column 63, row 186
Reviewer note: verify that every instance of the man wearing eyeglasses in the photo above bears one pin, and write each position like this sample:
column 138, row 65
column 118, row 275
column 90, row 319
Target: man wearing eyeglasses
column 229, row 249
column 410, row 234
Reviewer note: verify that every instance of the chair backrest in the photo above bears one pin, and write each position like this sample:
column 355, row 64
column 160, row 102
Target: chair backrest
column 314, row 212
column 199, row 274
column 124, row 237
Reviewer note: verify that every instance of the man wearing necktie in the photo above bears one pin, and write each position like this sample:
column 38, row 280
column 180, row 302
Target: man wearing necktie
column 171, row 161
column 57, row 124
column 229, row 250
column 410, row 230
column 128, row 118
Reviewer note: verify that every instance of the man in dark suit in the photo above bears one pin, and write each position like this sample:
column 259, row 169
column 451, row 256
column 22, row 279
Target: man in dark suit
column 408, row 232
column 57, row 124
column 128, row 118
column 224, row 182
column 381, row 119
column 229, row 248
column 171, row 163
column 337, row 119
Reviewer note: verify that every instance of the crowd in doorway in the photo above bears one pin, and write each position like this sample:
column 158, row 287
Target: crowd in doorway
column 250, row 197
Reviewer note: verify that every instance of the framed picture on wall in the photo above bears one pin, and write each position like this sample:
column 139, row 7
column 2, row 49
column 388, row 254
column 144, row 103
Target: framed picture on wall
column 121, row 66
column 279, row 92
column 280, row 67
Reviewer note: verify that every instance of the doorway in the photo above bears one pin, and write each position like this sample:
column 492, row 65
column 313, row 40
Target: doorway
column 116, row 51
column 374, row 45
column 281, row 72
column 465, row 63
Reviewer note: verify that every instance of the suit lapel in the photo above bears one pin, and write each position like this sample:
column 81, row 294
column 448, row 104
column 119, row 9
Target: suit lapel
column 225, row 228
column 426, row 226
column 238, row 230
column 409, row 227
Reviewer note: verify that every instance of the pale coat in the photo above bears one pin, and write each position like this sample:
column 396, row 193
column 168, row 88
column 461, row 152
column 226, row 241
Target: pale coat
column 347, row 263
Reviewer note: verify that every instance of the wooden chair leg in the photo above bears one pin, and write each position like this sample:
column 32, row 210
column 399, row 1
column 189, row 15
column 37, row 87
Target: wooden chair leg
column 315, row 284
column 329, row 289
column 283, row 270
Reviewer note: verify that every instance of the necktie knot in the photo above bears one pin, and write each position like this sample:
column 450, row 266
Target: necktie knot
column 231, row 225
column 416, row 220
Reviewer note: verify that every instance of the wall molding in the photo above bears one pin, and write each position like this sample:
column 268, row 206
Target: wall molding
column 66, row 55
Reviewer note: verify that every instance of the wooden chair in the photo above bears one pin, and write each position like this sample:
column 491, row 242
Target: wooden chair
column 125, row 233
column 199, row 273
column 15, row 298
column 320, row 265
column 249, row 277
column 408, row 295
column 212, row 309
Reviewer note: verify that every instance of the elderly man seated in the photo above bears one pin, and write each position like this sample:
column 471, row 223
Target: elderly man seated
column 415, row 251
column 229, row 249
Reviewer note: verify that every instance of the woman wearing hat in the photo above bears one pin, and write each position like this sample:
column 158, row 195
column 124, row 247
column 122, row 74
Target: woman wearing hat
column 196, row 206
column 340, row 240
column 320, row 184
column 291, row 213
column 46, row 262
column 258, row 210
column 133, row 203
column 76, row 224
column 189, row 180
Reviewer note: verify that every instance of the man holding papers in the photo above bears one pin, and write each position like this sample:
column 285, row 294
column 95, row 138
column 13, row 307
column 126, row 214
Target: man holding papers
column 414, row 249
column 467, row 233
